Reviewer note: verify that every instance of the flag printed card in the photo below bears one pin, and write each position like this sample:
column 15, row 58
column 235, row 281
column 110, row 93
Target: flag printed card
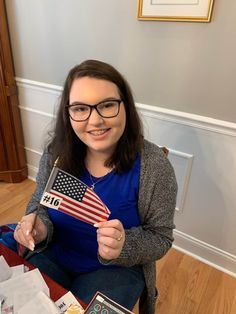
column 101, row 304
column 68, row 304
column 71, row 196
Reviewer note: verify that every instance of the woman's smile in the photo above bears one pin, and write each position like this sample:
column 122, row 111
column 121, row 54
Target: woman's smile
column 99, row 132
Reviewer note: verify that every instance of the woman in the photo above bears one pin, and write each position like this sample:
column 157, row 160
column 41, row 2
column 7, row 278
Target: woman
column 98, row 138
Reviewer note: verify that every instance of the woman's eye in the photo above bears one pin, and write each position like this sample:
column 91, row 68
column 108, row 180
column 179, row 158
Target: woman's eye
column 107, row 105
column 79, row 109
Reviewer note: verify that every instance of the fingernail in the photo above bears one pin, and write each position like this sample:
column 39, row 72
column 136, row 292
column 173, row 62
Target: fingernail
column 27, row 232
column 95, row 225
column 31, row 245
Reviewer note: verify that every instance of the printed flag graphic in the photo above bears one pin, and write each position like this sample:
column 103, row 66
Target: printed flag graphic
column 71, row 196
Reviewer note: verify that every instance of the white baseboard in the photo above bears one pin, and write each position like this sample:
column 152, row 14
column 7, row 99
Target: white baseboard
column 206, row 253
column 32, row 172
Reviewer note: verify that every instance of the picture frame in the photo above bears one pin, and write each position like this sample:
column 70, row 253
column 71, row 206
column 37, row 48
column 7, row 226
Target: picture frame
column 175, row 10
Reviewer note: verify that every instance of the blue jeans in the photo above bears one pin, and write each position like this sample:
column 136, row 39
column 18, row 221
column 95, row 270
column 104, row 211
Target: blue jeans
column 124, row 285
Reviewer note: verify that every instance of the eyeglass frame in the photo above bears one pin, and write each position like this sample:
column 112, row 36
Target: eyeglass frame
column 91, row 107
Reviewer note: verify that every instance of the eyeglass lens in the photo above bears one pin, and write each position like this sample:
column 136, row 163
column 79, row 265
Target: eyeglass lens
column 106, row 109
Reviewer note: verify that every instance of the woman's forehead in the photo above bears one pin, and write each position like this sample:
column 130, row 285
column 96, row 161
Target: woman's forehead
column 92, row 90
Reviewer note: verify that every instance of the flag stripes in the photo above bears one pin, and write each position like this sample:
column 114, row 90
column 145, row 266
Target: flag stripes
column 82, row 210
column 77, row 199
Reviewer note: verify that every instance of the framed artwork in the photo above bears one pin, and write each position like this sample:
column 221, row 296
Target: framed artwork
column 175, row 10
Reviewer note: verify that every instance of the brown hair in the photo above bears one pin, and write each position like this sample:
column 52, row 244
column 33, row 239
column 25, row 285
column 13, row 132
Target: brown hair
column 66, row 144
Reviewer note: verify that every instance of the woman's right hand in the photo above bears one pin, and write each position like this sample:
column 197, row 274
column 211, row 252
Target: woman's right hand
column 30, row 231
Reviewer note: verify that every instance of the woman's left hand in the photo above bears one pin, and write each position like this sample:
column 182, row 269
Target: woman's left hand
column 111, row 238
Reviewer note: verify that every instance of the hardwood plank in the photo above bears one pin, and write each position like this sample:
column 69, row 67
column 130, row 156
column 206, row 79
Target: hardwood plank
column 197, row 275
column 166, row 272
column 219, row 294
column 176, row 289
column 13, row 200
column 233, row 307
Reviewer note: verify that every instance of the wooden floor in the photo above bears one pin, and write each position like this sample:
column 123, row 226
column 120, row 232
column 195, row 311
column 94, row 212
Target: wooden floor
column 186, row 285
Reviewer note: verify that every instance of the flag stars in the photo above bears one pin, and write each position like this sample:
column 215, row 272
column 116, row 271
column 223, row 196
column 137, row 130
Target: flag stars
column 70, row 186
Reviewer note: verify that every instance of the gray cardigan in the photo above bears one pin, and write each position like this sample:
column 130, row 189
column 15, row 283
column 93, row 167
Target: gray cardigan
column 144, row 244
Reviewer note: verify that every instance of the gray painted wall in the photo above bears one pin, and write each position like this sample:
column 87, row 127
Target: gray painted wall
column 184, row 66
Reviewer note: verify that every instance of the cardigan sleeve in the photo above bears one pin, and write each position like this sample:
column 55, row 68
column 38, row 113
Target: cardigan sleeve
column 34, row 203
column 157, row 199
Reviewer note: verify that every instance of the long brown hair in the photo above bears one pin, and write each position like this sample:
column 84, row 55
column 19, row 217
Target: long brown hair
column 66, row 144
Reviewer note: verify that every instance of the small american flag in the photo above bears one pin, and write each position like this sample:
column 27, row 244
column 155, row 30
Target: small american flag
column 71, row 196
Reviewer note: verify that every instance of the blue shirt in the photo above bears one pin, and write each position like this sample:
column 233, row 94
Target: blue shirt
column 75, row 242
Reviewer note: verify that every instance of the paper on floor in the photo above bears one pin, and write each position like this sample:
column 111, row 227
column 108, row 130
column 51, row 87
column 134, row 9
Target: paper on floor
column 7, row 272
column 41, row 303
column 18, row 290
column 5, row 269
column 17, row 270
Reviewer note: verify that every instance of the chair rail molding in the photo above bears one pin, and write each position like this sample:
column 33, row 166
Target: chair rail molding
column 188, row 119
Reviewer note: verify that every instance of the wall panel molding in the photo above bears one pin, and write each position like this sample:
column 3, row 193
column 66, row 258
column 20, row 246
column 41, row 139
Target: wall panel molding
column 183, row 166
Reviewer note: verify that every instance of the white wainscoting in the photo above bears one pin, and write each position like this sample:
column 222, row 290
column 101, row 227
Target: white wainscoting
column 202, row 152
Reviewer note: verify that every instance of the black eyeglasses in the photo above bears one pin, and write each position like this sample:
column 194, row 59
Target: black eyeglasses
column 107, row 109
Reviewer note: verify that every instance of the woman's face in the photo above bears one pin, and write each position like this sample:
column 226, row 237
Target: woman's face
column 98, row 133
